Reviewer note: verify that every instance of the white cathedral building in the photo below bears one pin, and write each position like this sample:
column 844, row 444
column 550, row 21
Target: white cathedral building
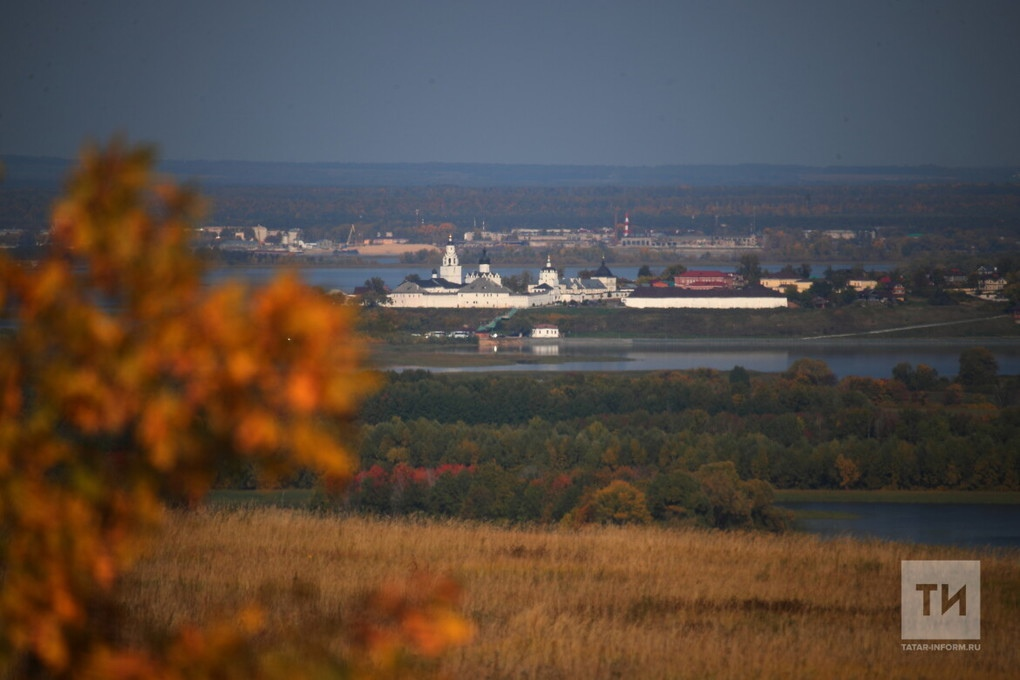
column 451, row 288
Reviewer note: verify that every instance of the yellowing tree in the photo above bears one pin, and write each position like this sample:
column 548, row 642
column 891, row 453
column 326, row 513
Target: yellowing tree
column 125, row 381
column 619, row 503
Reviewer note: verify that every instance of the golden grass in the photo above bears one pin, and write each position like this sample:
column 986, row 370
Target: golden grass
column 594, row 603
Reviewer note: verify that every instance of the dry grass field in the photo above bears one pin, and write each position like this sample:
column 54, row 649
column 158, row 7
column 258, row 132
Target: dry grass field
column 593, row 603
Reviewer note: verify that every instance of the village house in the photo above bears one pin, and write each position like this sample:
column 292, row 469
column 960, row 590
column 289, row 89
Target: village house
column 545, row 331
column 861, row 285
column 991, row 286
column 956, row 279
column 782, row 283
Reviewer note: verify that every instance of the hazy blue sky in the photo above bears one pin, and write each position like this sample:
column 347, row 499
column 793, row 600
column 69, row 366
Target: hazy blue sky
column 628, row 82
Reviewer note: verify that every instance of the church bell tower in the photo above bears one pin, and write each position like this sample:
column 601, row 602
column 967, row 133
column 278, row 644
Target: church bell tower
column 451, row 269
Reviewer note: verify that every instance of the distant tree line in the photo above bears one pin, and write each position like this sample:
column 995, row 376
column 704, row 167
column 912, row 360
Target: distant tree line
column 712, row 496
column 703, row 447
column 901, row 221
column 329, row 212
column 913, row 430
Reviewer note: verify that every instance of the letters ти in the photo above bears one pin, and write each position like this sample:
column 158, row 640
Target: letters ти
column 947, row 602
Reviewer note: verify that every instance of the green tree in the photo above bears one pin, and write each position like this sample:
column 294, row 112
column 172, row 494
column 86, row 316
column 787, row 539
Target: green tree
column 732, row 503
column 821, row 288
column 376, row 293
column 926, row 378
column 978, row 368
column 764, row 513
column 449, row 493
column 675, row 496
column 728, row 504
column 672, row 271
column 903, row 372
column 740, row 379
column 491, row 493
column 519, row 282
column 750, row 268
column 785, row 428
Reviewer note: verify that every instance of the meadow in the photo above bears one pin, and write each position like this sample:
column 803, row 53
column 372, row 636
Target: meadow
column 595, row 602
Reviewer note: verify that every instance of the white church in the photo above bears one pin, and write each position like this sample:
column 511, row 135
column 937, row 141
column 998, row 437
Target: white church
column 601, row 286
column 451, row 288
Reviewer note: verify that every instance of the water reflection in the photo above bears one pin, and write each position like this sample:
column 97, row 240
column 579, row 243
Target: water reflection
column 871, row 359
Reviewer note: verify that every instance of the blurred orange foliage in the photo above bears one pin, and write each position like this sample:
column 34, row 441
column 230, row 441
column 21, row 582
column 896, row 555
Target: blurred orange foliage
column 124, row 382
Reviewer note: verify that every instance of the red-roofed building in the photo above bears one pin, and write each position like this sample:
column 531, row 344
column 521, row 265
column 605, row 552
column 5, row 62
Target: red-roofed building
column 704, row 280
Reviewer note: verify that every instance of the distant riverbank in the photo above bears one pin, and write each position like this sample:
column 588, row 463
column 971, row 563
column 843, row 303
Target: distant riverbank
column 837, row 341
column 897, row 496
column 845, row 357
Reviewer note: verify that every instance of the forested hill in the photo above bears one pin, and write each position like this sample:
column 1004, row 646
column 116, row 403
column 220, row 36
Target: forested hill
column 798, row 429
column 22, row 171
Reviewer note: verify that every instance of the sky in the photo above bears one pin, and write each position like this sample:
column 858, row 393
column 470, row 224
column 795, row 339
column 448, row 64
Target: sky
column 551, row 82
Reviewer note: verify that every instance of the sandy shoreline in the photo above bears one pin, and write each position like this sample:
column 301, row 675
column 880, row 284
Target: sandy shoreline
column 391, row 249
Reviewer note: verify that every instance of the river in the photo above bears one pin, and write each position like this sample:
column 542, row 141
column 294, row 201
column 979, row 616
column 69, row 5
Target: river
column 346, row 278
column 871, row 358
column 961, row 524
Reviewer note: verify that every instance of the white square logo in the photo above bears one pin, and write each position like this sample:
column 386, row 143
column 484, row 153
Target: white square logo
column 940, row 600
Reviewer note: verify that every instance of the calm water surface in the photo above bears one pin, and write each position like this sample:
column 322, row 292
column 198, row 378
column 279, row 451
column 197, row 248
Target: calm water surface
column 390, row 270
column 962, row 524
column 348, row 278
column 871, row 358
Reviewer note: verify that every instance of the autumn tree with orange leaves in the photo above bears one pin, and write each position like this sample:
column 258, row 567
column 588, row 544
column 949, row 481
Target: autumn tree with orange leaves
column 125, row 381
